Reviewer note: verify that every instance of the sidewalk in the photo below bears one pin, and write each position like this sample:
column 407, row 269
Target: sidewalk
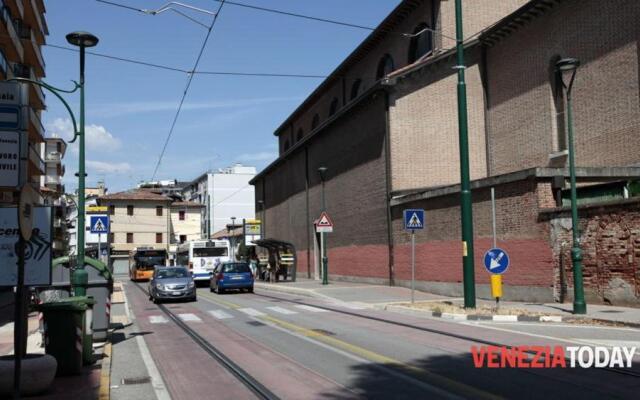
column 390, row 297
column 81, row 387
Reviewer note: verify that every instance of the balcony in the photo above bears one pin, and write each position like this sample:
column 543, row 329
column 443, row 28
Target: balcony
column 9, row 39
column 36, row 164
column 52, row 180
column 16, row 6
column 36, row 95
column 32, row 52
column 53, row 156
column 33, row 17
column 36, row 129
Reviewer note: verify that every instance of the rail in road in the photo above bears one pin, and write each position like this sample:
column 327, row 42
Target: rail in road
column 256, row 387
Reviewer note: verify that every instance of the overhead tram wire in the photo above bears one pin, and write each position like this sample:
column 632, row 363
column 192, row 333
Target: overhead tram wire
column 186, row 90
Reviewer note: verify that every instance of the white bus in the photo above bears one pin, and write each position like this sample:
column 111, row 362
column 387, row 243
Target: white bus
column 202, row 256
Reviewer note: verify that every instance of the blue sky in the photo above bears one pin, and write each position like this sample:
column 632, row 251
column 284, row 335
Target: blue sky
column 225, row 119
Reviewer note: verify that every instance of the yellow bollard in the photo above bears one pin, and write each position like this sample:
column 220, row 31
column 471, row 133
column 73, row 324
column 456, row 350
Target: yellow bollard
column 496, row 286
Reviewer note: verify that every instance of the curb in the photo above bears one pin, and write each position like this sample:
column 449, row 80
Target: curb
column 477, row 317
column 508, row 318
column 105, row 373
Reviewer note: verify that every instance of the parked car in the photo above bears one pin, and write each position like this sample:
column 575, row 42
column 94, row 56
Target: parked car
column 232, row 275
column 169, row 283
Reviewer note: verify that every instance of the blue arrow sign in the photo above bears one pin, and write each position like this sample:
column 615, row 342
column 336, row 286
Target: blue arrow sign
column 99, row 223
column 414, row 219
column 496, row 261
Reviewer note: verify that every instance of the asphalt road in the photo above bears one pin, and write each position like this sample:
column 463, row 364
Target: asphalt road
column 302, row 348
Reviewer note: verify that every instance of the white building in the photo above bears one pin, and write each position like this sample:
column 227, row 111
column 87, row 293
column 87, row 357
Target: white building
column 225, row 193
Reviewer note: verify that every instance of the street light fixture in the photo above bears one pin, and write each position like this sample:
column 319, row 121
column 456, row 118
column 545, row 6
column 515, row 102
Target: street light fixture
column 567, row 68
column 322, row 171
column 79, row 278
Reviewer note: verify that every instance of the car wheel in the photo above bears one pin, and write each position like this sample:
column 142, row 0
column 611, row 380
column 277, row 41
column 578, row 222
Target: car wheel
column 250, row 290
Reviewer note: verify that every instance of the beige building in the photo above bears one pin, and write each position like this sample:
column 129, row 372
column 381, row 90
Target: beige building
column 186, row 222
column 138, row 218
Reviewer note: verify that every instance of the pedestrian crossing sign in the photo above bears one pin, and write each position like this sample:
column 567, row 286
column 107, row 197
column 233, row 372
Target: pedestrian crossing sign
column 413, row 219
column 99, row 223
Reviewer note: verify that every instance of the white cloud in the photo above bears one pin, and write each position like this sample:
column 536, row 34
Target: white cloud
column 258, row 156
column 101, row 167
column 97, row 136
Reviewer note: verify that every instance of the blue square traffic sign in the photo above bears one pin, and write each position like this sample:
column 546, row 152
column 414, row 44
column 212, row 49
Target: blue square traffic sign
column 99, row 223
column 414, row 219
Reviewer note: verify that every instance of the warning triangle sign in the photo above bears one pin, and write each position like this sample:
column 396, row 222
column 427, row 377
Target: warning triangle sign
column 99, row 226
column 325, row 221
column 414, row 221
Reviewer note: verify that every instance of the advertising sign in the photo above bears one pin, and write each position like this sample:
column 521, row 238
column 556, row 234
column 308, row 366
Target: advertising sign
column 10, row 159
column 252, row 231
column 38, row 250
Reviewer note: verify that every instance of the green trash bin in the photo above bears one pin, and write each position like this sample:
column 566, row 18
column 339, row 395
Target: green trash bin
column 64, row 327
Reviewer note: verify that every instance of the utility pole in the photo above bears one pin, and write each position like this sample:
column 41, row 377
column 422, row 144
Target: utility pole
column 466, row 210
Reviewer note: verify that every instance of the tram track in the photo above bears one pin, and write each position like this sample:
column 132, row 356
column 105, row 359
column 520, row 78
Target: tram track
column 620, row 371
column 244, row 377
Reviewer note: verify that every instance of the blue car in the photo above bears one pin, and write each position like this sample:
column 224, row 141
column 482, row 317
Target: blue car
column 232, row 275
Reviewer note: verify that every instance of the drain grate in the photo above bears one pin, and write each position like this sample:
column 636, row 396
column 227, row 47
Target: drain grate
column 136, row 381
column 255, row 323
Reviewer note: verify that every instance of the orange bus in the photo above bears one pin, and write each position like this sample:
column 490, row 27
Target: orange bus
column 142, row 260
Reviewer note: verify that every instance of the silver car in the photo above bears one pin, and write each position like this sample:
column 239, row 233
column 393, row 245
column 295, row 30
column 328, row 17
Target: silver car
column 169, row 283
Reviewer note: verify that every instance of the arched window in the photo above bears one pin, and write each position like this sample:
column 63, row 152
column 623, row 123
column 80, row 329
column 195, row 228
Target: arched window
column 385, row 67
column 333, row 108
column 315, row 122
column 299, row 135
column 355, row 89
column 420, row 44
column 286, row 145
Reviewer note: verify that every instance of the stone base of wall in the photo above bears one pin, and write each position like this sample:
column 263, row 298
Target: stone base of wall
column 536, row 294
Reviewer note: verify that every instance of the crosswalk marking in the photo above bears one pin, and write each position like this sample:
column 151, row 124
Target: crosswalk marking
column 282, row 310
column 189, row 317
column 219, row 314
column 351, row 306
column 252, row 312
column 310, row 308
column 158, row 319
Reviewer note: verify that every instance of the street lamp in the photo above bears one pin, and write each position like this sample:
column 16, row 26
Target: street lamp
column 567, row 68
column 323, row 235
column 233, row 227
column 466, row 208
column 79, row 279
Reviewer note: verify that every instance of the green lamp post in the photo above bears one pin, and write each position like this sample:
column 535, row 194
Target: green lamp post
column 466, row 207
column 567, row 68
column 79, row 279
column 322, row 171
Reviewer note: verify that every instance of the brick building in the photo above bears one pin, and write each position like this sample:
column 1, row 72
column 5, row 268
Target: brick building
column 384, row 124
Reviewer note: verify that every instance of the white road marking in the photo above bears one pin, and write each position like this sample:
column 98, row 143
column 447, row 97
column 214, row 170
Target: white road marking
column 158, row 319
column 349, row 305
column 189, row 317
column 310, row 308
column 219, row 314
column 282, row 310
column 156, row 379
column 252, row 312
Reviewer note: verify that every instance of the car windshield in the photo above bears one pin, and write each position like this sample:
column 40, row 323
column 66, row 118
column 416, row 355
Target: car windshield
column 169, row 273
column 236, row 267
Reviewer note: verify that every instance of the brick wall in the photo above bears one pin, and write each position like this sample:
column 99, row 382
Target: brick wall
column 610, row 242
column 522, row 114
column 424, row 126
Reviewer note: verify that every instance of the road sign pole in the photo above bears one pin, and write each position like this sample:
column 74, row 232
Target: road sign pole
column 413, row 264
column 19, row 322
column 99, row 254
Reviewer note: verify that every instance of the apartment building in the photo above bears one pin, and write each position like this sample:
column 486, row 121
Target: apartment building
column 23, row 31
column 225, row 193
column 137, row 218
column 52, row 189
